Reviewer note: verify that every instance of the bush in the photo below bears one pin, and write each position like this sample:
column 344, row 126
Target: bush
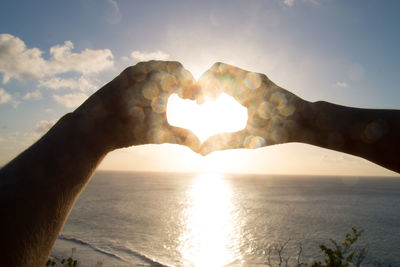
column 66, row 262
column 344, row 254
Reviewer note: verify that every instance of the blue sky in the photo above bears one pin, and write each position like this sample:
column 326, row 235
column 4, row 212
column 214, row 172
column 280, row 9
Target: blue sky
column 53, row 54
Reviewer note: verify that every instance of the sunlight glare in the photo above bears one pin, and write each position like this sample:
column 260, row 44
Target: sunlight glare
column 223, row 115
column 211, row 230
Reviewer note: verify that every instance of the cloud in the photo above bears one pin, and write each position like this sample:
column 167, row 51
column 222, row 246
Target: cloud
column 19, row 62
column 315, row 2
column 114, row 14
column 288, row 2
column 87, row 62
column 341, row 84
column 4, row 96
column 43, row 126
column 125, row 58
column 83, row 83
column 70, row 100
column 33, row 95
column 142, row 56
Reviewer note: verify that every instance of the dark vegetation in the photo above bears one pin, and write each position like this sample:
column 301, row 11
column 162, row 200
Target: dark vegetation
column 334, row 254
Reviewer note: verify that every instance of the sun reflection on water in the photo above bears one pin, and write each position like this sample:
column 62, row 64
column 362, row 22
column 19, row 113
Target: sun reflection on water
column 211, row 232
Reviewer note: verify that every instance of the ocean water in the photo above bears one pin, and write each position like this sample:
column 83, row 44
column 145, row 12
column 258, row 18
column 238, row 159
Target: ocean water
column 167, row 219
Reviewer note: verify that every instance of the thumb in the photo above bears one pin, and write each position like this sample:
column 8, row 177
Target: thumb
column 182, row 136
column 224, row 141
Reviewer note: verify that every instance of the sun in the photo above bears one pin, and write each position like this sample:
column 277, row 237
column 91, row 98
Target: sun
column 224, row 114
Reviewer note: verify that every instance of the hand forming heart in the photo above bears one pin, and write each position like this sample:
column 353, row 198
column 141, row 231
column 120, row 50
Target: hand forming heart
column 131, row 109
column 274, row 114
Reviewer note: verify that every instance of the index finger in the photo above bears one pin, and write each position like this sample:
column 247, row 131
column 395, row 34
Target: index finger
column 223, row 78
column 174, row 78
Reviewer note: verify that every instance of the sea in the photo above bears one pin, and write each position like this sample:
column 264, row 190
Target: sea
column 215, row 219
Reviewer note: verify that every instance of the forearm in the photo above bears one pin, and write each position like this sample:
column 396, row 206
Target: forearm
column 372, row 134
column 39, row 187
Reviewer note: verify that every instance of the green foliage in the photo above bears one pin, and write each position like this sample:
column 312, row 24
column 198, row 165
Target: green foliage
column 65, row 262
column 344, row 254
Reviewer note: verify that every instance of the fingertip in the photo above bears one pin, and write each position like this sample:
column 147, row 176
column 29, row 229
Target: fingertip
column 217, row 65
column 188, row 87
column 209, row 148
column 192, row 91
column 200, row 99
column 204, row 153
column 185, row 137
column 190, row 140
column 174, row 66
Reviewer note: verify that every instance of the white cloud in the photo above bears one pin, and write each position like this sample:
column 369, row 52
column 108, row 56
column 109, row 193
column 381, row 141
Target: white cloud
column 114, row 14
column 83, row 83
column 70, row 100
column 315, row 2
column 16, row 61
column 33, row 95
column 58, row 83
column 87, row 62
column 142, row 56
column 43, row 126
column 125, row 58
column 19, row 62
column 4, row 96
column 288, row 2
column 341, row 84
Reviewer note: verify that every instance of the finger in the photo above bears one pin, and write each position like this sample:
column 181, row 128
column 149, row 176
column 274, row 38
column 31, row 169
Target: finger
column 221, row 70
column 224, row 141
column 141, row 71
column 210, row 87
column 220, row 78
column 174, row 78
column 165, row 78
column 184, row 137
column 238, row 83
column 188, row 87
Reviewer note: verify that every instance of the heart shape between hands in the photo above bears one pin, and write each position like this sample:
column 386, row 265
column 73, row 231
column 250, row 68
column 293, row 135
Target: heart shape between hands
column 271, row 110
column 224, row 114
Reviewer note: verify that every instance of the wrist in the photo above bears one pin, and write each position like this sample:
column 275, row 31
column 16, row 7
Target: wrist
column 304, row 118
column 85, row 132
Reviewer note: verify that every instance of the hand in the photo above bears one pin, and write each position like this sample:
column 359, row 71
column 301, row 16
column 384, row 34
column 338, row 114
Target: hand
column 274, row 114
column 131, row 109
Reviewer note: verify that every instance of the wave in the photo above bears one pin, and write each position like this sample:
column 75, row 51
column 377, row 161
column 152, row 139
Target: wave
column 126, row 250
column 84, row 243
column 141, row 256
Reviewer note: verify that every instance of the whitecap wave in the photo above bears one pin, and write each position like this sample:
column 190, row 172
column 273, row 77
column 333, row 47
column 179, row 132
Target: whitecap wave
column 147, row 259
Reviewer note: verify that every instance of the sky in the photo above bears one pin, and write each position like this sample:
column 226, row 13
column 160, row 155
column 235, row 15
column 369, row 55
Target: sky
column 54, row 54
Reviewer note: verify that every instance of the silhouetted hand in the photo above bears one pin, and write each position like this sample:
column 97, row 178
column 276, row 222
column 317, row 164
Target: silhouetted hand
column 131, row 109
column 273, row 112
